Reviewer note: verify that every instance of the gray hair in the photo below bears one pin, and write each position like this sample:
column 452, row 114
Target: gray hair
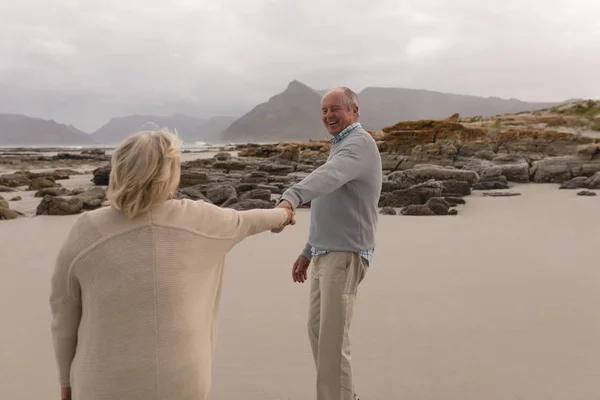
column 350, row 98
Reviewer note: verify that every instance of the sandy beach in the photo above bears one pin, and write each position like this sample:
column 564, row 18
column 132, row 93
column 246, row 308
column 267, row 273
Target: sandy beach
column 497, row 303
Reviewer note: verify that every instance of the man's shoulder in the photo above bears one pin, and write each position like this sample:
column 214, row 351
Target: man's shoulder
column 359, row 140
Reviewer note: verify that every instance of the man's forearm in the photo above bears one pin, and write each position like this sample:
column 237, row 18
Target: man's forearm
column 342, row 168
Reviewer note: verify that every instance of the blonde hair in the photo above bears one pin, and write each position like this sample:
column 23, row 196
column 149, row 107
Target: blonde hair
column 145, row 171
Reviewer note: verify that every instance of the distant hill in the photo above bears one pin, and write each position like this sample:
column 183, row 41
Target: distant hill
column 294, row 114
column 381, row 107
column 190, row 129
column 21, row 130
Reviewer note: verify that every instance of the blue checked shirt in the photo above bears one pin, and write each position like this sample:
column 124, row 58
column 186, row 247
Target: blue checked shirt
column 366, row 254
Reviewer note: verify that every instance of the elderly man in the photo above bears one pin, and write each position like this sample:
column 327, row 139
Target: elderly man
column 344, row 194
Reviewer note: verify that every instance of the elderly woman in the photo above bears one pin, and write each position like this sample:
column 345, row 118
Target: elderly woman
column 136, row 289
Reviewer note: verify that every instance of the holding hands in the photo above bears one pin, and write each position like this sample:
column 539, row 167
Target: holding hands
column 290, row 221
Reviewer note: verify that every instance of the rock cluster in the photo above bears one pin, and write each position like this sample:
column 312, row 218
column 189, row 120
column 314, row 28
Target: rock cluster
column 6, row 212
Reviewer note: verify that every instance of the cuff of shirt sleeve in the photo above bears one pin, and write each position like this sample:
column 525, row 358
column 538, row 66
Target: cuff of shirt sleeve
column 307, row 251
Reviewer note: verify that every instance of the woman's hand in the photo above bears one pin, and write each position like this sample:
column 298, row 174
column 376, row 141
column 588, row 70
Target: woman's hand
column 65, row 393
column 290, row 219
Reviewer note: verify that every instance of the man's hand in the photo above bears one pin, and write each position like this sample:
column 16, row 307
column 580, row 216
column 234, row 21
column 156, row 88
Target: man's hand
column 65, row 393
column 290, row 221
column 300, row 268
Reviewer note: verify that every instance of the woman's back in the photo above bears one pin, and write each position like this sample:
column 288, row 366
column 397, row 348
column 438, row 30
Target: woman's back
column 150, row 293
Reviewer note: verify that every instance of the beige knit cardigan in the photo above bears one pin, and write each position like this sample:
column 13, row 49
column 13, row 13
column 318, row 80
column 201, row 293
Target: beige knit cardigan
column 135, row 303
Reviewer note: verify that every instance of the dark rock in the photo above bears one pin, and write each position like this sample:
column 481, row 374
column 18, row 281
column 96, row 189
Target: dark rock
column 275, row 189
column 193, row 193
column 6, row 213
column 52, row 191
column 245, row 187
column 276, row 169
column 101, row 176
column 417, row 209
column 454, row 201
column 42, row 183
column 14, row 180
column 252, row 204
column 192, row 177
column 222, row 195
column 92, row 198
column 305, row 168
column 579, row 182
column 387, row 211
column 492, row 185
column 500, row 194
column 438, row 205
column 222, row 156
column 256, row 194
column 417, row 194
column 60, row 206
column 16, row 198
column 230, row 165
column 280, row 179
column 424, row 173
column 4, row 203
column 593, row 181
column 256, row 177
column 456, row 187
column 6, row 189
column 453, row 212
column 556, row 169
column 586, row 193
column 97, row 152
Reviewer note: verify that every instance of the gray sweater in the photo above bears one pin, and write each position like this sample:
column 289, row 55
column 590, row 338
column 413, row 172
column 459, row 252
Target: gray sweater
column 344, row 194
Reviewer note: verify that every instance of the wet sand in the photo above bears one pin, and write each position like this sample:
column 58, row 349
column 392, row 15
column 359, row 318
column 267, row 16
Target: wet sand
column 501, row 302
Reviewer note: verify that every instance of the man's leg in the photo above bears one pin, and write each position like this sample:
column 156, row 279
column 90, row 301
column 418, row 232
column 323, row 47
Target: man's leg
column 314, row 312
column 339, row 274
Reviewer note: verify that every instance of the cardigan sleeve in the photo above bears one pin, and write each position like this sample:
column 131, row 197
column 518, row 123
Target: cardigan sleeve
column 252, row 222
column 65, row 305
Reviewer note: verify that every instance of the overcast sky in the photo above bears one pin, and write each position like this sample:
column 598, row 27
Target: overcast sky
column 84, row 61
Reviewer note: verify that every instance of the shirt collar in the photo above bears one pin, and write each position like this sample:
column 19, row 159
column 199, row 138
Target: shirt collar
column 337, row 138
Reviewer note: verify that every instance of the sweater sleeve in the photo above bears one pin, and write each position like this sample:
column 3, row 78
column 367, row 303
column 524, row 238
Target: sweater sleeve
column 65, row 305
column 307, row 251
column 252, row 222
column 343, row 167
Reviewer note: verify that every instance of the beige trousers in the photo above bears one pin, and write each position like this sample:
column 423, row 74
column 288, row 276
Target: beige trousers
column 334, row 283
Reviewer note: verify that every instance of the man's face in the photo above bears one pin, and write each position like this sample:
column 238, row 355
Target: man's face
column 335, row 114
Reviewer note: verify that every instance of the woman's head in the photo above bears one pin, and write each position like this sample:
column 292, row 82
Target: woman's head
column 145, row 171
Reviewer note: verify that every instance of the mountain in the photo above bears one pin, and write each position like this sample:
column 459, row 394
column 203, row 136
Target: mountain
column 189, row 129
column 294, row 114
column 117, row 129
column 381, row 107
column 211, row 131
column 21, row 130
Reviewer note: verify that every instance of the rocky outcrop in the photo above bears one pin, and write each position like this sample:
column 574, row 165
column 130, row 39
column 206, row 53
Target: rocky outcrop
column 414, row 195
column 101, row 176
column 388, row 211
column 51, row 191
column 42, row 183
column 6, row 189
column 423, row 173
column 77, row 202
column 34, row 180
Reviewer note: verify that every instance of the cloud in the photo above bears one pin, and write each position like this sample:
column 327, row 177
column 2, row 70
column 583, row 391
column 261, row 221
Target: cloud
column 83, row 62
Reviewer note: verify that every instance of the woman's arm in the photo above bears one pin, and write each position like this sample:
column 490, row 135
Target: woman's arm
column 252, row 222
